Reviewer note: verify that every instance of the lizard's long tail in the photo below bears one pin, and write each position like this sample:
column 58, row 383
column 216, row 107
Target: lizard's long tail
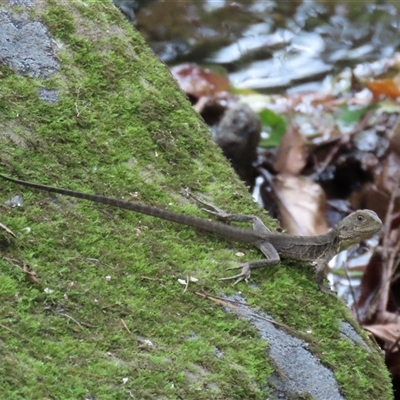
column 227, row 231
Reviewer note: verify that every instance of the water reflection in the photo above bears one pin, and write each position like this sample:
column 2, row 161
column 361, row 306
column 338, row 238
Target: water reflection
column 271, row 44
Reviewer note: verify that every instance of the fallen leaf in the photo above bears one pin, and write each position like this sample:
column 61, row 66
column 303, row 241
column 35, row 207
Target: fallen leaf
column 301, row 203
column 389, row 333
column 30, row 274
column 199, row 82
column 384, row 87
column 292, row 152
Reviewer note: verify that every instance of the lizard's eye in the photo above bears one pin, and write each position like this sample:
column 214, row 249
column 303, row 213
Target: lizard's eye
column 360, row 218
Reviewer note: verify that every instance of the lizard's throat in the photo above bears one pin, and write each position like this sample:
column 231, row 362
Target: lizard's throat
column 346, row 243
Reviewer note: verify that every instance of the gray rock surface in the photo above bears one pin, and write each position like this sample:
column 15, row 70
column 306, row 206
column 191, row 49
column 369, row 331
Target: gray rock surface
column 297, row 371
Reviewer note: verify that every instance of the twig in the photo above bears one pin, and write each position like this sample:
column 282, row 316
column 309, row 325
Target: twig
column 72, row 319
column 15, row 333
column 231, row 304
column 125, row 326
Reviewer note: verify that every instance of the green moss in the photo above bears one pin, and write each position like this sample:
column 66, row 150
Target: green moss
column 108, row 316
column 58, row 20
column 318, row 323
column 108, row 305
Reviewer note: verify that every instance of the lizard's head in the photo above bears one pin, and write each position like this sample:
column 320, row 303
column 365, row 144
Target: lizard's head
column 356, row 227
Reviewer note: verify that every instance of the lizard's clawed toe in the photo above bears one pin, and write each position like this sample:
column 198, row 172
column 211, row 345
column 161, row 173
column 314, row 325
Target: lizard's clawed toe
column 327, row 290
column 243, row 276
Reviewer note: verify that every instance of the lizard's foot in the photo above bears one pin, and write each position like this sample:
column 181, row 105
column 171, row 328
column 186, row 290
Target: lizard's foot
column 319, row 277
column 226, row 217
column 212, row 209
column 243, row 276
column 326, row 290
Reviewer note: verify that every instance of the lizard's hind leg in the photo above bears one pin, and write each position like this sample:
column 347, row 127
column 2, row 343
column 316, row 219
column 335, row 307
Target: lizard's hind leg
column 258, row 224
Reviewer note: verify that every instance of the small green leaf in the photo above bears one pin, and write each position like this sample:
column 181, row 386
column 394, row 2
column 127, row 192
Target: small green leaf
column 274, row 125
column 354, row 115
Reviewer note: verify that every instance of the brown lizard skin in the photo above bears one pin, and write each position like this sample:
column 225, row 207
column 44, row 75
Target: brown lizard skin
column 351, row 230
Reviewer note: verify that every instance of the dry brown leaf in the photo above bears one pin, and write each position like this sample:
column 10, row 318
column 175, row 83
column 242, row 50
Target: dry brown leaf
column 199, row 82
column 389, row 333
column 385, row 87
column 30, row 274
column 301, row 203
column 292, row 152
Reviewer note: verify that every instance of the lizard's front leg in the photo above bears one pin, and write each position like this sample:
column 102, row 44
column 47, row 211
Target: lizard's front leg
column 271, row 258
column 320, row 276
column 269, row 251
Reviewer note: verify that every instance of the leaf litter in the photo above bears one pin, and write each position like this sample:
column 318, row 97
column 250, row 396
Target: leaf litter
column 321, row 156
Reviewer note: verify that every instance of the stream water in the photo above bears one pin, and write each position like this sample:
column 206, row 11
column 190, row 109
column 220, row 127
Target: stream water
column 272, row 45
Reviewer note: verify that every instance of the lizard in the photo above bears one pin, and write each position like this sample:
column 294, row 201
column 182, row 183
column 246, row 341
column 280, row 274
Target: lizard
column 351, row 230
